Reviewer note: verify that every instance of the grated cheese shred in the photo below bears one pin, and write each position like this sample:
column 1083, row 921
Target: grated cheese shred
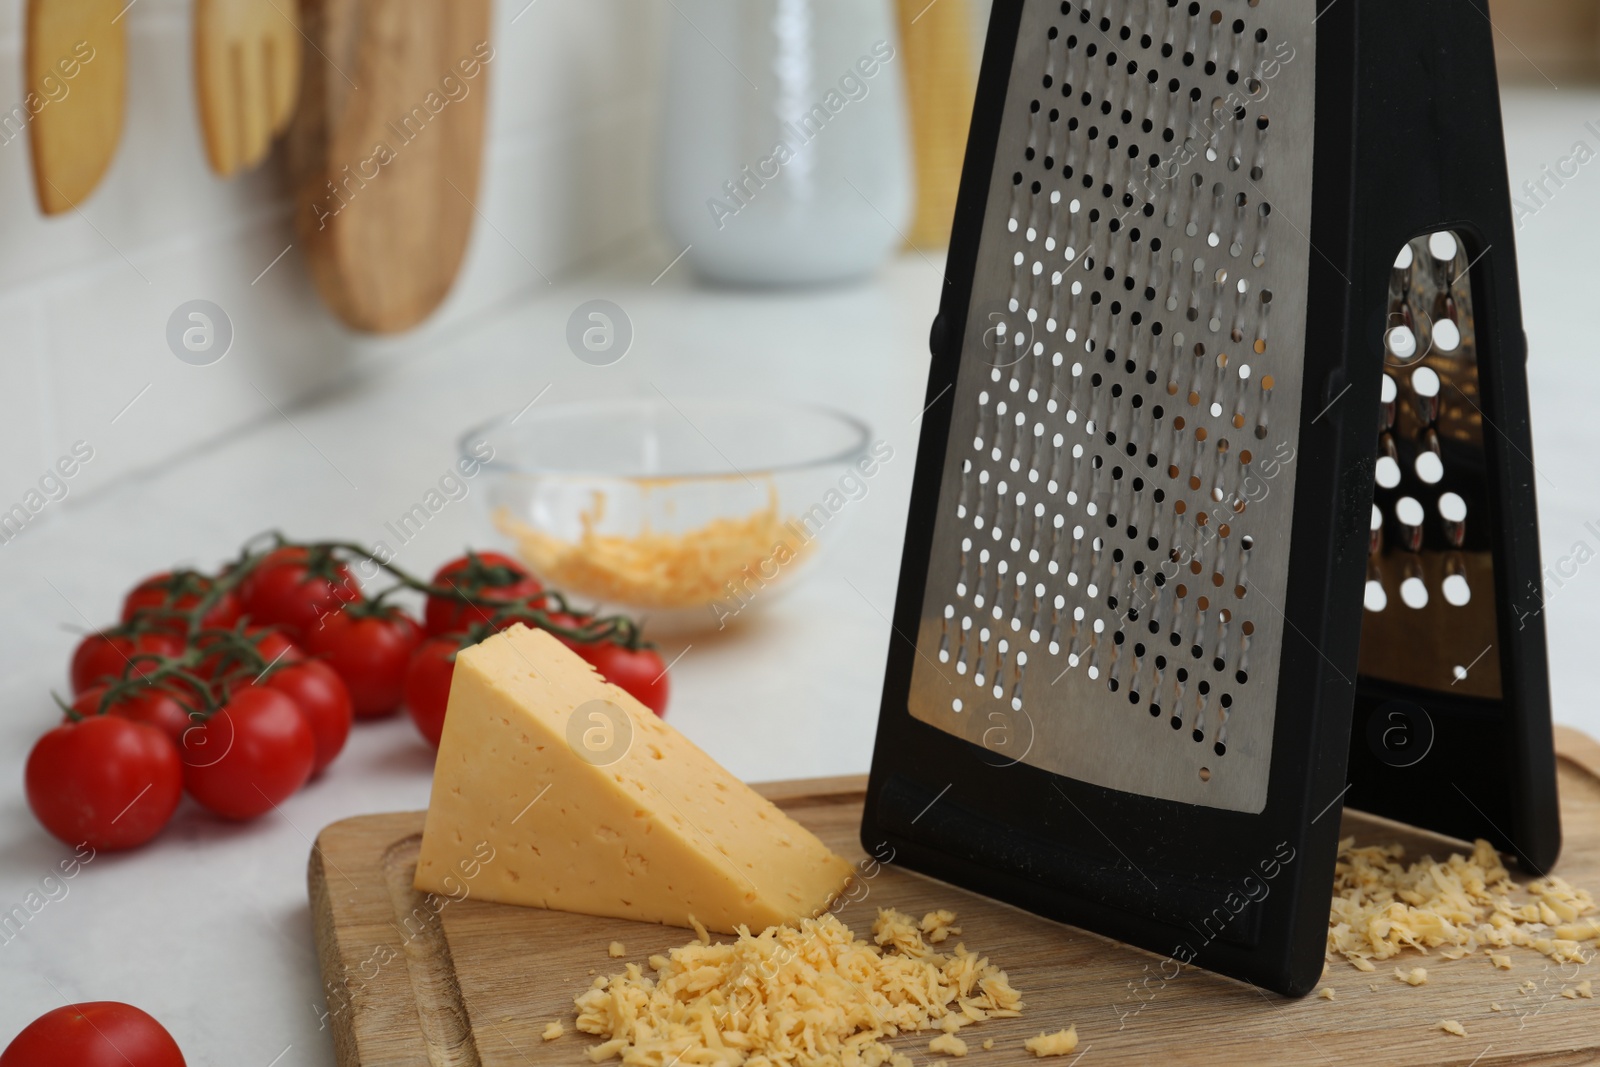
column 804, row 995
column 1415, row 976
column 1060, row 1043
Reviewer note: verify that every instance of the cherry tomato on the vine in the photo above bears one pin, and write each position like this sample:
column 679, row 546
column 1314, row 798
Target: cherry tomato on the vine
column 149, row 704
column 106, row 781
column 294, row 588
column 491, row 575
column 642, row 672
column 102, row 1033
column 105, row 656
column 320, row 694
column 369, row 648
column 428, row 677
column 159, row 595
column 250, row 756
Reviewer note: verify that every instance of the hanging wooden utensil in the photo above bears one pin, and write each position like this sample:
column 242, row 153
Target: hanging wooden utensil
column 940, row 83
column 247, row 56
column 76, row 84
column 387, row 173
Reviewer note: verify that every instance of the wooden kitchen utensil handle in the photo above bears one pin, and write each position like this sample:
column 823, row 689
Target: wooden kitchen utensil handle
column 386, row 148
column 247, row 57
column 76, row 70
column 936, row 40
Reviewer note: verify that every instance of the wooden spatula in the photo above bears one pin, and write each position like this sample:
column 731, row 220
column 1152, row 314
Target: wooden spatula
column 247, row 73
column 76, row 82
column 387, row 173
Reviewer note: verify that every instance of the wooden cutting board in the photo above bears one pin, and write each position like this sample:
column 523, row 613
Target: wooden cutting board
column 385, row 151
column 476, row 983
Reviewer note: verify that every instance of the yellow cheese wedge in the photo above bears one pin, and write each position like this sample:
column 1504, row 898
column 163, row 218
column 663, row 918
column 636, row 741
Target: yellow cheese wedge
column 556, row 789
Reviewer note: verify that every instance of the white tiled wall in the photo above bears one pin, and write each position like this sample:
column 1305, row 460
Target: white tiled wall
column 84, row 299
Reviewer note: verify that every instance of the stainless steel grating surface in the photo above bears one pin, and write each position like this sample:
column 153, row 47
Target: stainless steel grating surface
column 1430, row 619
column 1112, row 541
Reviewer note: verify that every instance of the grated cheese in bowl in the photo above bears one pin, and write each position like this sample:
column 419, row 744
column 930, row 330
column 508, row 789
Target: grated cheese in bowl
column 802, row 995
column 690, row 510
column 654, row 569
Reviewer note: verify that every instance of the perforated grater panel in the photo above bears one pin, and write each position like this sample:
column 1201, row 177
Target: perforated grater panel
column 1430, row 614
column 1111, row 542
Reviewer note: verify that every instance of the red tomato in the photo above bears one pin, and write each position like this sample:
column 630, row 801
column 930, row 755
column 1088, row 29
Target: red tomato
column 102, row 1033
column 284, row 591
column 370, row 652
column 492, row 575
column 105, row 655
column 274, row 646
column 640, row 671
column 106, row 781
column 433, row 664
column 250, row 756
column 161, row 594
column 150, row 704
column 322, row 698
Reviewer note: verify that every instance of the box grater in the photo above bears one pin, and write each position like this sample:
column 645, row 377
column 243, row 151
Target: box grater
column 1224, row 510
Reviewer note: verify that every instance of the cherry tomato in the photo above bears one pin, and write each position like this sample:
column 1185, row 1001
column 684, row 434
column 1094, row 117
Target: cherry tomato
column 640, row 671
column 101, row 1033
column 320, row 694
column 105, row 655
column 428, row 677
column 291, row 589
column 492, row 575
column 250, row 756
column 274, row 645
column 158, row 595
column 370, row 651
column 149, row 704
column 106, row 781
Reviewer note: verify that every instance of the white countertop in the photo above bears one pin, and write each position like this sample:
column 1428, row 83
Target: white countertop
column 208, row 928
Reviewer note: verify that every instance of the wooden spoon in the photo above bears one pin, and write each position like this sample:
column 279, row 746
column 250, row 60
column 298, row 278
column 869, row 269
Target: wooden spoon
column 76, row 83
column 247, row 73
column 387, row 173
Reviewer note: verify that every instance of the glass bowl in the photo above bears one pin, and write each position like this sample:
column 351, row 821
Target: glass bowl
column 691, row 513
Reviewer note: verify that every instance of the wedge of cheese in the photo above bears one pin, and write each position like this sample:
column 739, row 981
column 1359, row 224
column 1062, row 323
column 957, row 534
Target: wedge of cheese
column 556, row 789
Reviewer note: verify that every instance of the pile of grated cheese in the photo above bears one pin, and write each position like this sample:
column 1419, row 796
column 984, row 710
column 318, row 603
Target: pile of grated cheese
column 1382, row 907
column 802, row 996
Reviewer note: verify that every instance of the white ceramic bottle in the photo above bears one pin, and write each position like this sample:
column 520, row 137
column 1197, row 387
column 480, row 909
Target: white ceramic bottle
column 785, row 157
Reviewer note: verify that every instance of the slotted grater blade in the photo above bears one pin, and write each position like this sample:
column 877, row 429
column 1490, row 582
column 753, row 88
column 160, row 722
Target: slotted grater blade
column 1112, row 527
column 1140, row 596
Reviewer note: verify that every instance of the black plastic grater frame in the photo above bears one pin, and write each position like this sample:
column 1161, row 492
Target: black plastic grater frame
column 1407, row 142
